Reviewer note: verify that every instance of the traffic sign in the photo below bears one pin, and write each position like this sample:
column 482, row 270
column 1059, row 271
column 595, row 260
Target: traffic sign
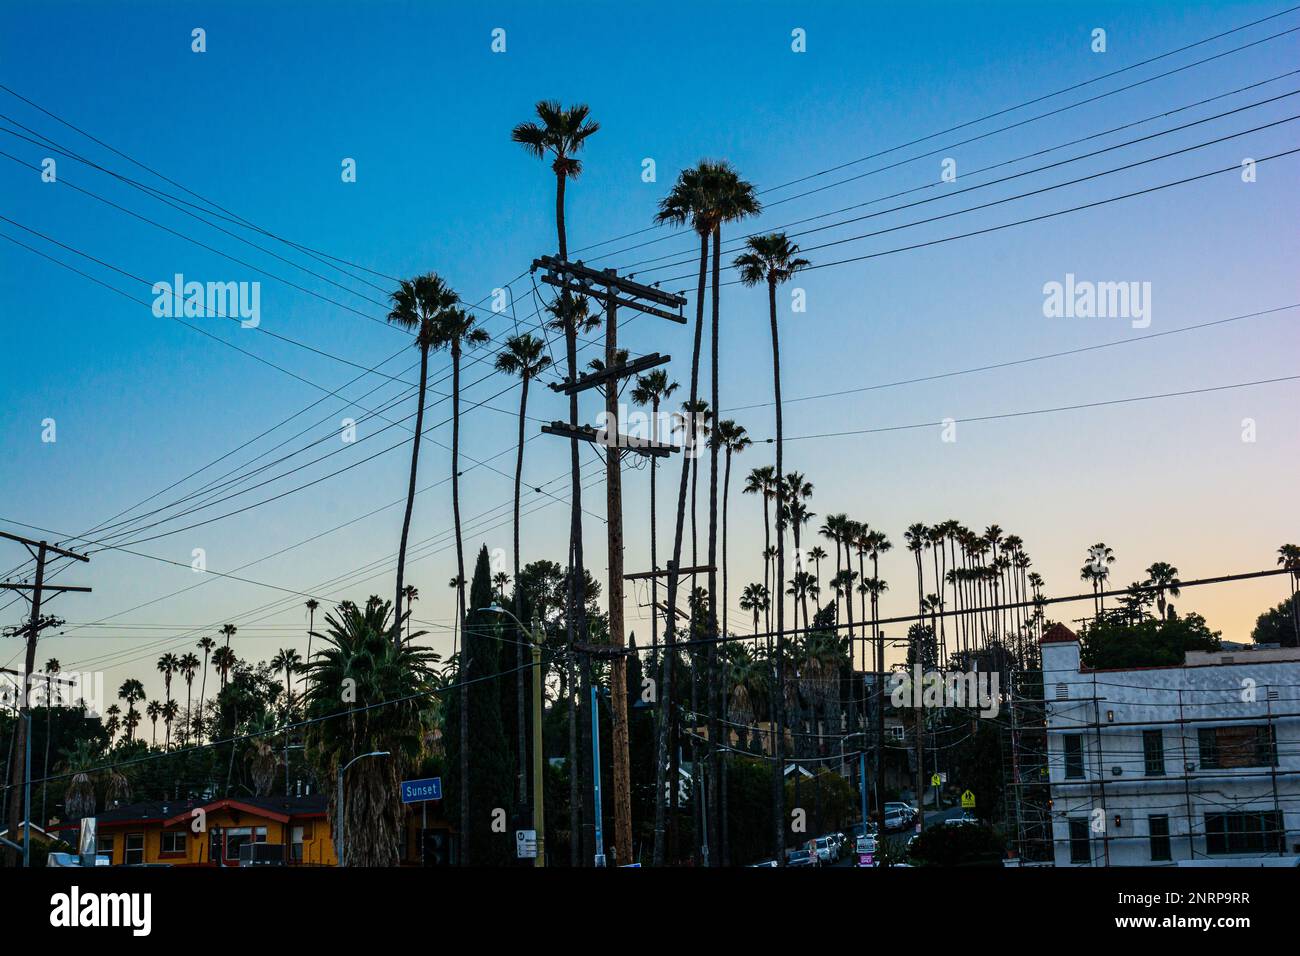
column 936, row 780
column 968, row 801
column 526, row 844
column 417, row 791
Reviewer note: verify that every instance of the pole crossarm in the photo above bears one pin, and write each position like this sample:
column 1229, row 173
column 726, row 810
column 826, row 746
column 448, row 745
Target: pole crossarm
column 584, row 277
column 664, row 572
column 621, row 442
column 6, row 586
column 618, row 371
column 46, row 545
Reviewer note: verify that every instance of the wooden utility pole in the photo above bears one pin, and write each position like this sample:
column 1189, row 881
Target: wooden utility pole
column 20, row 772
column 575, row 278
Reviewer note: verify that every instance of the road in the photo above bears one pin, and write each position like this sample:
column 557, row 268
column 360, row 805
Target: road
column 900, row 838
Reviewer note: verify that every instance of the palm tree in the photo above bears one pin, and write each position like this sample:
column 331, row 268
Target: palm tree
column 168, row 665
column 918, row 539
column 1288, row 556
column 560, row 134
column 524, row 356
column 359, row 647
column 153, row 711
column 1097, row 570
column 418, row 305
column 773, row 259
column 170, row 711
column 228, row 630
column 411, row 594
column 455, row 330
column 817, row 554
column 113, row 720
column 760, row 482
column 206, row 644
column 289, row 661
column 224, row 660
column 131, row 691
column 1164, row 578
column 313, row 604
column 754, row 600
column 189, row 666
column 734, row 440
column 653, row 389
column 797, row 490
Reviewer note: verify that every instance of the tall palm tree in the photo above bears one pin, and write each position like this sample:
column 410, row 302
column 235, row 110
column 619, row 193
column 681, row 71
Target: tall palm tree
column 411, row 593
column 168, row 665
column 224, row 660
column 228, row 631
column 773, row 259
column 754, row 600
column 559, row 134
column 689, row 201
column 797, row 490
column 170, row 711
column 917, row 537
column 760, row 482
column 131, row 691
column 419, row 304
column 734, row 440
column 653, row 389
column 153, row 710
column 206, row 644
column 287, row 659
column 189, row 665
column 455, row 330
column 525, row 357
column 1097, row 570
column 817, row 554
column 313, row 604
column 1164, row 578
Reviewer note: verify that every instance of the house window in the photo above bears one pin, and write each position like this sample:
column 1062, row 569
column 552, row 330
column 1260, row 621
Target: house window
column 238, row 836
column 1158, row 827
column 1224, row 748
column 1242, row 833
column 1080, row 848
column 134, row 852
column 104, row 844
column 173, row 843
column 1073, row 756
column 1153, row 752
column 296, row 837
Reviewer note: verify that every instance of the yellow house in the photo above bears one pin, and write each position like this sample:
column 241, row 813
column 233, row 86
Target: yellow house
column 192, row 833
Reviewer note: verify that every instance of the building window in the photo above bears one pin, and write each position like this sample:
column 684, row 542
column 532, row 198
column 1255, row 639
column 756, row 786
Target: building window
column 1073, row 756
column 1242, row 833
column 1224, row 748
column 1158, row 827
column 134, row 849
column 1080, row 849
column 104, row 844
column 296, row 837
column 173, row 843
column 1153, row 752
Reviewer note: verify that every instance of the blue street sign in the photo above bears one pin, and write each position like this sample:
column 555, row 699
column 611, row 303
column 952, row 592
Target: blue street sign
column 417, row 791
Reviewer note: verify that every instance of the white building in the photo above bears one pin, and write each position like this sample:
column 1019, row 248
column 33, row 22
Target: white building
column 1156, row 765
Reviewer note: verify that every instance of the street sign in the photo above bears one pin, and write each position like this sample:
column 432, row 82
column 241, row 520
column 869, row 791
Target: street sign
column 526, row 844
column 417, row 791
column 865, row 859
column 968, row 801
column 936, row 780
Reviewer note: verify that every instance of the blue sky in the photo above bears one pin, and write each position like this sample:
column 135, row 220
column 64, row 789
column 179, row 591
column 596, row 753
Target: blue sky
column 261, row 122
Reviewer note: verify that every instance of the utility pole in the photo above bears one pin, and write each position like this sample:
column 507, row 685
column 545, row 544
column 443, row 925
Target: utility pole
column 20, row 768
column 575, row 278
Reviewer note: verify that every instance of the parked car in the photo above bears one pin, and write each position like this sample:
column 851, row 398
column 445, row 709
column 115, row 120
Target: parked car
column 827, row 850
column 906, row 810
column 801, row 858
column 896, row 820
column 764, row 863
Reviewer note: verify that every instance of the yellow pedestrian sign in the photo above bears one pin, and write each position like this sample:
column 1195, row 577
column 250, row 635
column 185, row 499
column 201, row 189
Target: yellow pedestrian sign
column 936, row 780
column 968, row 801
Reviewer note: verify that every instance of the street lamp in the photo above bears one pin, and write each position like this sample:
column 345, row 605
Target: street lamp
column 342, row 770
column 539, row 809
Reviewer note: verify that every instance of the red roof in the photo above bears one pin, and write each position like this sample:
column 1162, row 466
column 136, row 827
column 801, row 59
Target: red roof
column 1058, row 634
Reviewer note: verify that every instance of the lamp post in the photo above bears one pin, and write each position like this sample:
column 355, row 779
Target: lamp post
column 342, row 770
column 539, row 809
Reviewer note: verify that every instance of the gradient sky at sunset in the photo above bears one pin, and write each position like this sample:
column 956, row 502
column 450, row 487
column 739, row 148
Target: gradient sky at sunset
column 261, row 122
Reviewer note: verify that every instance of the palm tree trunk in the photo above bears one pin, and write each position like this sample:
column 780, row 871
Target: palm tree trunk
column 778, row 769
column 410, row 494
column 714, row 684
column 466, row 662
column 519, row 605
column 666, row 711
